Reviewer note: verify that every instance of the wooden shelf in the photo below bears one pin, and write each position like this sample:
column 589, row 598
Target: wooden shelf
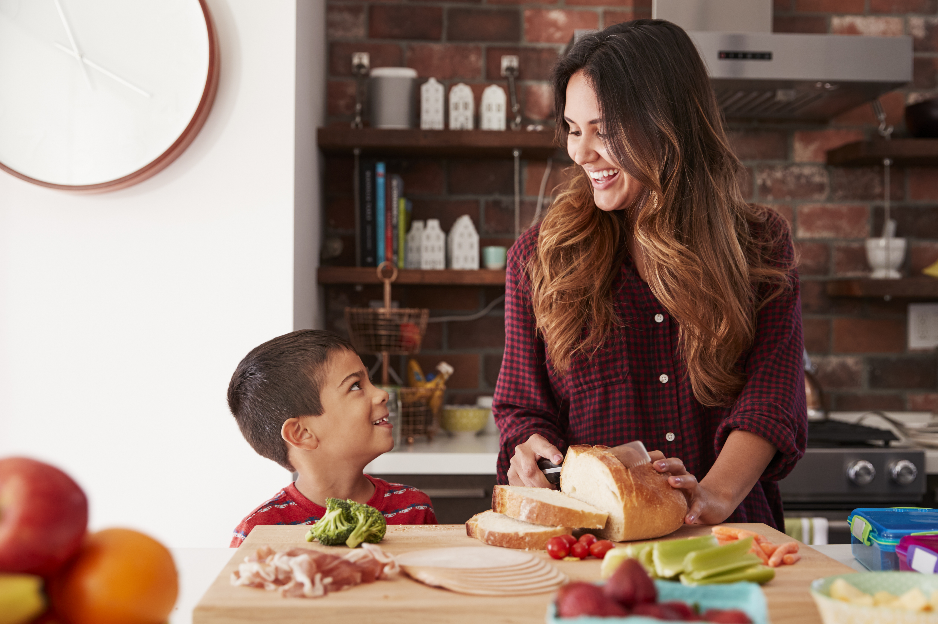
column 905, row 288
column 464, row 143
column 412, row 277
column 901, row 151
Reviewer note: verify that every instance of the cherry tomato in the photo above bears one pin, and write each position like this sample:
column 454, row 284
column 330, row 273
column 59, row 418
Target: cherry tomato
column 580, row 550
column 119, row 576
column 588, row 539
column 569, row 539
column 557, row 547
column 599, row 548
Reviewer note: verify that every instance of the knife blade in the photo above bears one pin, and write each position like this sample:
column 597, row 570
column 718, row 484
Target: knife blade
column 630, row 455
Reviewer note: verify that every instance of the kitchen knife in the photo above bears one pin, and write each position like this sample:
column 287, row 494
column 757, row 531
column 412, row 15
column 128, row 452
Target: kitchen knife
column 630, row 455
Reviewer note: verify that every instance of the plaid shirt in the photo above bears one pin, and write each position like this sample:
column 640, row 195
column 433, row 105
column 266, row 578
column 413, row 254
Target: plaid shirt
column 636, row 386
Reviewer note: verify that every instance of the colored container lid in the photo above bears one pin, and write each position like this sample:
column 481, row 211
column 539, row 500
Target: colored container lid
column 886, row 526
column 919, row 553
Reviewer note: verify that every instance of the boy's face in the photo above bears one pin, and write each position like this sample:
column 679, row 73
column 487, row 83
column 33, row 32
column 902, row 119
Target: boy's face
column 354, row 423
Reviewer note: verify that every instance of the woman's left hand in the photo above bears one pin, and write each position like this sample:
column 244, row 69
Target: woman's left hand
column 704, row 505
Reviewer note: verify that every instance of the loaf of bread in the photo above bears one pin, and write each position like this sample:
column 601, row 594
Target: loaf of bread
column 640, row 502
column 547, row 507
column 498, row 529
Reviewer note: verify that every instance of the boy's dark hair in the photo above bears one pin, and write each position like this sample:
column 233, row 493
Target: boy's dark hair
column 279, row 380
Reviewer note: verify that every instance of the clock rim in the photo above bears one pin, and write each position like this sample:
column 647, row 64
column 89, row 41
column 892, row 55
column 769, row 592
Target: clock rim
column 173, row 151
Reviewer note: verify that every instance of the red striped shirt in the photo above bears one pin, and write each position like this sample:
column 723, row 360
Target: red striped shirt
column 400, row 504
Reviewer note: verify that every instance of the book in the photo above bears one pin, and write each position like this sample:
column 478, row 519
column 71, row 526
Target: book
column 393, row 226
column 365, row 221
column 404, row 208
column 380, row 203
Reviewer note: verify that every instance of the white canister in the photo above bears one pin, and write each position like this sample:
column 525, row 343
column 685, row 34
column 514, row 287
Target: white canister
column 392, row 95
column 490, row 427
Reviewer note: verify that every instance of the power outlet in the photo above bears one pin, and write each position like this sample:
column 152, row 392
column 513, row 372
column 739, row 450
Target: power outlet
column 509, row 64
column 923, row 325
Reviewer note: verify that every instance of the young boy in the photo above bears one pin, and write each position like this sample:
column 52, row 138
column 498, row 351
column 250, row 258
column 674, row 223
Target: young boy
column 304, row 400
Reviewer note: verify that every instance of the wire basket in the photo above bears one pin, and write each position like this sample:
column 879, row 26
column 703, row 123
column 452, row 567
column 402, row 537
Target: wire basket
column 386, row 330
column 382, row 330
column 418, row 417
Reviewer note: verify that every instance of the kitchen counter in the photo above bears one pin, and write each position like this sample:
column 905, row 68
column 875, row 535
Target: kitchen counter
column 404, row 600
column 477, row 455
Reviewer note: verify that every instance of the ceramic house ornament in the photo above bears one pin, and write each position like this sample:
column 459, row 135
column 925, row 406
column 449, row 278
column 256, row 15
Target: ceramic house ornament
column 461, row 107
column 492, row 113
column 462, row 244
column 413, row 244
column 433, row 246
column 431, row 105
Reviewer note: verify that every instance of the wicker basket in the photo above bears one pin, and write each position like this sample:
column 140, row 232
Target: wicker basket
column 418, row 417
column 383, row 330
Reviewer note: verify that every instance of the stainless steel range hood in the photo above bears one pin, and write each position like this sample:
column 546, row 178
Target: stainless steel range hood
column 758, row 74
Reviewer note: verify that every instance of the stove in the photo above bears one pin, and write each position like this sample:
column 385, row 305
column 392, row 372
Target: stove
column 847, row 466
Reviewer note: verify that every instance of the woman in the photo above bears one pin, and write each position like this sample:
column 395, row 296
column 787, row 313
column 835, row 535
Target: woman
column 652, row 303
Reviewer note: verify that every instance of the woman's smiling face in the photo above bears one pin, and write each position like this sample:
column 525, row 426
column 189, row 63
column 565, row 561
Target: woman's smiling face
column 613, row 188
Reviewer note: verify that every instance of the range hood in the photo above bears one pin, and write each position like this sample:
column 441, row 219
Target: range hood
column 758, row 74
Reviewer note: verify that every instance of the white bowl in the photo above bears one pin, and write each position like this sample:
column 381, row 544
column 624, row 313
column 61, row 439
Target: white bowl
column 835, row 611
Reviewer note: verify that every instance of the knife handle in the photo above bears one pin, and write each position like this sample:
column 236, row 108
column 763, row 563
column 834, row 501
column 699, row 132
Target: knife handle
column 550, row 469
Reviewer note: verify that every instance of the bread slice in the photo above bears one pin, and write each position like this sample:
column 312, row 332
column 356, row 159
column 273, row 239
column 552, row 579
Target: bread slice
column 497, row 529
column 640, row 502
column 547, row 507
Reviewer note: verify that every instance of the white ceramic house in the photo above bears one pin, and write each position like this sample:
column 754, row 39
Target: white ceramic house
column 461, row 107
column 492, row 112
column 433, row 246
column 431, row 105
column 413, row 245
column 462, row 244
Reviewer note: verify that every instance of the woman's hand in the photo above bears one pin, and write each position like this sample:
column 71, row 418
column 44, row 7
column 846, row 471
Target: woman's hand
column 703, row 505
column 524, row 470
column 741, row 462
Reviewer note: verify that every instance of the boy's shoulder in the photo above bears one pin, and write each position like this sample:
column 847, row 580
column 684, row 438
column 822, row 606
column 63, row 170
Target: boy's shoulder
column 400, row 503
column 287, row 506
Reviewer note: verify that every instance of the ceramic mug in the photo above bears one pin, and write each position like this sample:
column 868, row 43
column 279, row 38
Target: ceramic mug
column 494, row 257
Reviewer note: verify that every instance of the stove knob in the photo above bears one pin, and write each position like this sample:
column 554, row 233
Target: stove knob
column 861, row 472
column 903, row 471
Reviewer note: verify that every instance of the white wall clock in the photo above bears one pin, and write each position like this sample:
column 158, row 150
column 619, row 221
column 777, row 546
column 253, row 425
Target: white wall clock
column 97, row 95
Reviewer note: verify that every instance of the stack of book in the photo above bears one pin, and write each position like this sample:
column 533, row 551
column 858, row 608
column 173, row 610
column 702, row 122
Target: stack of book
column 382, row 215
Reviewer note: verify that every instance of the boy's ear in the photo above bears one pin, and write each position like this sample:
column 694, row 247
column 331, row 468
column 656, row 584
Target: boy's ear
column 295, row 432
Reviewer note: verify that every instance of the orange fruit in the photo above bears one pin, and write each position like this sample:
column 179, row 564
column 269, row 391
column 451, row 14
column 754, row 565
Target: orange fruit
column 120, row 576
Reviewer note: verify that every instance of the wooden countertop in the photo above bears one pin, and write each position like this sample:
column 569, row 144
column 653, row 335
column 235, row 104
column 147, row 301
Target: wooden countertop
column 405, row 600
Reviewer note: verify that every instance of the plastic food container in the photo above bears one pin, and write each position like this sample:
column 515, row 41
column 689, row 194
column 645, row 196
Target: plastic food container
column 875, row 533
column 918, row 553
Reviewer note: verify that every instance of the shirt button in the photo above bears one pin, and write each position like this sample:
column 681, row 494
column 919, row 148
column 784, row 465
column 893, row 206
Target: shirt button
column 663, row 378
column 659, row 318
column 669, row 437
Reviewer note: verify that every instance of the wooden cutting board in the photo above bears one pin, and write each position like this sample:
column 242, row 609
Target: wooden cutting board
column 405, row 600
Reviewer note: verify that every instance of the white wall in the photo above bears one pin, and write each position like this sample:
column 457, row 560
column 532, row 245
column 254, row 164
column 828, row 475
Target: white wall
column 123, row 315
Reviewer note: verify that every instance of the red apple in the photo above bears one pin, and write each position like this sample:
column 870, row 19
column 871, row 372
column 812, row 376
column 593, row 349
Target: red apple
column 43, row 516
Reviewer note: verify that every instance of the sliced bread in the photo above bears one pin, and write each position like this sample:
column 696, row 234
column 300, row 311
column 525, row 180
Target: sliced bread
column 640, row 501
column 547, row 507
column 497, row 529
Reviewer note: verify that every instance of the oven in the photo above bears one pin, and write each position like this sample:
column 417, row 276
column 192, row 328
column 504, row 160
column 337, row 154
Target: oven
column 847, row 466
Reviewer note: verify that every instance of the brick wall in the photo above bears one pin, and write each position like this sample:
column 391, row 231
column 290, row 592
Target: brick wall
column 859, row 345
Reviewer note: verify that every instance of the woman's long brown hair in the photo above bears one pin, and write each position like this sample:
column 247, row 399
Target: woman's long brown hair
column 702, row 259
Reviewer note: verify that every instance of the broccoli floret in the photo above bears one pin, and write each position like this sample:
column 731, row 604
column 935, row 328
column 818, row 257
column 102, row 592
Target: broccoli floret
column 370, row 525
column 335, row 526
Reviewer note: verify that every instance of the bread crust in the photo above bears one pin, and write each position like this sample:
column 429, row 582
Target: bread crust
column 651, row 507
column 522, row 540
column 514, row 502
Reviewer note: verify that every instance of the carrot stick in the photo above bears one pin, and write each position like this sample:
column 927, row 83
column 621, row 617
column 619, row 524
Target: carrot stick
column 732, row 532
column 757, row 549
column 724, row 540
column 784, row 549
column 791, row 558
column 768, row 547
